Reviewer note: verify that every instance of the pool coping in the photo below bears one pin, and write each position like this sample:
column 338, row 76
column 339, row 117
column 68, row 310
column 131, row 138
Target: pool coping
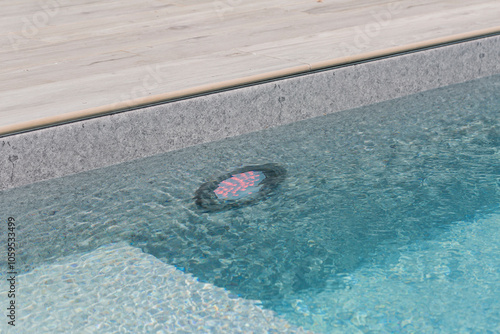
column 236, row 83
column 94, row 142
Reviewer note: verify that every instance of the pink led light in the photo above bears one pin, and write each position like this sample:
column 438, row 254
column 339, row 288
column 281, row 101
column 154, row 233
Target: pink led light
column 242, row 184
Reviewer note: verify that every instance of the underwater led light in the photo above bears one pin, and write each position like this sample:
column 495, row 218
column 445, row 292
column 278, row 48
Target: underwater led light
column 242, row 186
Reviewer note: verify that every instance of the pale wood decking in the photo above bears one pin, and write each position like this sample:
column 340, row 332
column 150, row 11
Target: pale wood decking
column 60, row 57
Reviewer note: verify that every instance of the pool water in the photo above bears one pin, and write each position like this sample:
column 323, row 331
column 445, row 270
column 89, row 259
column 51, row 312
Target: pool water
column 448, row 284
column 388, row 219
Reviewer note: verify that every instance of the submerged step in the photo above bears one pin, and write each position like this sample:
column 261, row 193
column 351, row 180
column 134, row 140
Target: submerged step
column 118, row 288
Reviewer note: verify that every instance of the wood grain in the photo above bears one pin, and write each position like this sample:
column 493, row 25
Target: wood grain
column 61, row 56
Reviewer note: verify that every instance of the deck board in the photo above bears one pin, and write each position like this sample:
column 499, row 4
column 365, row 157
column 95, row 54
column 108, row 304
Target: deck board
column 87, row 54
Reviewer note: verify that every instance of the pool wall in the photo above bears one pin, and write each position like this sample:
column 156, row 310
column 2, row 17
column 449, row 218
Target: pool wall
column 103, row 141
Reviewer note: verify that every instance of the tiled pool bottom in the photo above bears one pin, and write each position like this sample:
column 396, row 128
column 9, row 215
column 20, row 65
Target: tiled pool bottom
column 360, row 236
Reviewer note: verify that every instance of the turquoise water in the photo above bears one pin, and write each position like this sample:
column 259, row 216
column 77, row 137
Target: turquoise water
column 388, row 219
column 448, row 284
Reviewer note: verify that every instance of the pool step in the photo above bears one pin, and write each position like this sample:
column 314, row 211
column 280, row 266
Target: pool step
column 118, row 288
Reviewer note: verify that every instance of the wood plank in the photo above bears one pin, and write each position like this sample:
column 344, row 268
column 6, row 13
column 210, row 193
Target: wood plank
column 60, row 56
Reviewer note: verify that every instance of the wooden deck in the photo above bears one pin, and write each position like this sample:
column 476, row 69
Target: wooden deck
column 63, row 59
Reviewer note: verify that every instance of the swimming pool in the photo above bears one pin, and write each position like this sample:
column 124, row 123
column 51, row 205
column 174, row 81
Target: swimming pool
column 387, row 220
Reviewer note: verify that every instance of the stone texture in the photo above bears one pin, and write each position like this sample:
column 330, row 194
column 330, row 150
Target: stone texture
column 71, row 148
